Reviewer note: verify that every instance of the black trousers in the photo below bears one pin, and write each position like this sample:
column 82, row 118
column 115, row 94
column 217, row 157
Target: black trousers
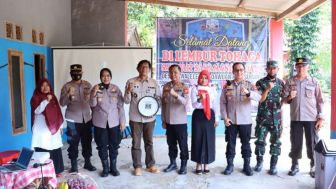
column 108, row 140
column 296, row 138
column 231, row 136
column 79, row 132
column 56, row 157
column 177, row 134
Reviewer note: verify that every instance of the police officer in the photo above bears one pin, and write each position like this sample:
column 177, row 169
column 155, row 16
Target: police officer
column 269, row 116
column 108, row 117
column 306, row 104
column 136, row 88
column 75, row 96
column 235, row 108
column 175, row 101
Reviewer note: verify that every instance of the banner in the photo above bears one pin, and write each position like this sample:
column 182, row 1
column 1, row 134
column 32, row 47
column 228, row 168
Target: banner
column 213, row 44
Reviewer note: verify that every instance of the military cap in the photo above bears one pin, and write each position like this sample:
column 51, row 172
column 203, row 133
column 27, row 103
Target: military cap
column 272, row 63
column 301, row 61
column 76, row 68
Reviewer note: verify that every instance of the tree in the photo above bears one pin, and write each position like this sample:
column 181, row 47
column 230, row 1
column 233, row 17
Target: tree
column 303, row 38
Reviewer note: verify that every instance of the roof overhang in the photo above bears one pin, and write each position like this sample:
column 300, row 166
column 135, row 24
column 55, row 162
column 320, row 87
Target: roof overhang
column 277, row 9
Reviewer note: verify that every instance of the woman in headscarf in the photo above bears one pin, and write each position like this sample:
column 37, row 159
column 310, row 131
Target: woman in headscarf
column 46, row 123
column 204, row 121
column 108, row 118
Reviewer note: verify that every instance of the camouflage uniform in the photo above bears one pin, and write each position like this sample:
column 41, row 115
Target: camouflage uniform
column 269, row 117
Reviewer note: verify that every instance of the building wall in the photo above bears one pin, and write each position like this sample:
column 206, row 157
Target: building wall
column 98, row 23
column 8, row 140
column 53, row 17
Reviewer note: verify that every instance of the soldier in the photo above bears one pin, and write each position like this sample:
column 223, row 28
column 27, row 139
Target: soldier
column 175, row 101
column 235, row 108
column 136, row 88
column 269, row 116
column 305, row 98
column 75, row 95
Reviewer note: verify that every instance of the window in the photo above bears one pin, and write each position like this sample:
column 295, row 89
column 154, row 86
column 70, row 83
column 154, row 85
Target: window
column 18, row 32
column 34, row 37
column 41, row 36
column 9, row 30
column 18, row 111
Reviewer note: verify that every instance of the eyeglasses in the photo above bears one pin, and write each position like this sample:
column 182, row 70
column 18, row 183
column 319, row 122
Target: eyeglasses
column 301, row 66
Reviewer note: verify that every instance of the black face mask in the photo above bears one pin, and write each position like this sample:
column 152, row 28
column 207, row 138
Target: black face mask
column 76, row 76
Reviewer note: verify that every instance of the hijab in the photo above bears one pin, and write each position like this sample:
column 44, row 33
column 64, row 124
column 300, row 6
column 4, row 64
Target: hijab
column 52, row 112
column 203, row 89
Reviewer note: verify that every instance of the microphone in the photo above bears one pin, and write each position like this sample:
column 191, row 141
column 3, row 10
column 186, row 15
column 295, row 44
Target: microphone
column 36, row 165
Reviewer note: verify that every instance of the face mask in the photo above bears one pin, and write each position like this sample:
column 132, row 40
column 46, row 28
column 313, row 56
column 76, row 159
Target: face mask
column 76, row 76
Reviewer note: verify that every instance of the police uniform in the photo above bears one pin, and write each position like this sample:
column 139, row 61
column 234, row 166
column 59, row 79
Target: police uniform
column 305, row 109
column 174, row 115
column 140, row 124
column 269, row 119
column 78, row 117
column 107, row 116
column 237, row 107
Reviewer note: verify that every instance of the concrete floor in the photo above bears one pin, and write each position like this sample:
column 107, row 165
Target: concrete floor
column 215, row 179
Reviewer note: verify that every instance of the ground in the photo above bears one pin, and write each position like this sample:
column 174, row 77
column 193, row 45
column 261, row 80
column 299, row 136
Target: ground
column 215, row 179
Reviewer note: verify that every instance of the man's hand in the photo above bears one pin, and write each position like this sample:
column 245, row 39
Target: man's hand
column 270, row 85
column 216, row 124
column 243, row 91
column 227, row 122
column 173, row 93
column 130, row 87
column 292, row 94
column 319, row 124
column 164, row 125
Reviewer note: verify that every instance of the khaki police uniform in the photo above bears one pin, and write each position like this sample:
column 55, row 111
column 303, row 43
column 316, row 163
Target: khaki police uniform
column 174, row 115
column 140, row 124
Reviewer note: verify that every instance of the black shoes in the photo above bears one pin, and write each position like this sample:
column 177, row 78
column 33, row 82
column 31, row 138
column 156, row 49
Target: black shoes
column 229, row 168
column 74, row 168
column 105, row 168
column 247, row 170
column 259, row 165
column 294, row 170
column 113, row 167
column 183, row 169
column 88, row 165
column 273, row 170
column 172, row 166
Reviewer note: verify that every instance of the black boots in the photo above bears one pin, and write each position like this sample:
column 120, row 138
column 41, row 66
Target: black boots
column 183, row 169
column 74, row 167
column 105, row 168
column 113, row 167
column 172, row 166
column 295, row 168
column 88, row 165
column 247, row 168
column 229, row 168
column 259, row 165
column 273, row 170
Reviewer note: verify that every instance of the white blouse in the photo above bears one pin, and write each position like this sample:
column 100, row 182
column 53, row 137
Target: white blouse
column 42, row 137
column 214, row 99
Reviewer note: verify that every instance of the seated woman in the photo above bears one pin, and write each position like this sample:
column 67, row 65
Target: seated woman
column 46, row 123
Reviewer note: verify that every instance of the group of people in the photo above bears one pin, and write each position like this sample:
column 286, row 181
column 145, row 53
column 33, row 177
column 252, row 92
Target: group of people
column 101, row 107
